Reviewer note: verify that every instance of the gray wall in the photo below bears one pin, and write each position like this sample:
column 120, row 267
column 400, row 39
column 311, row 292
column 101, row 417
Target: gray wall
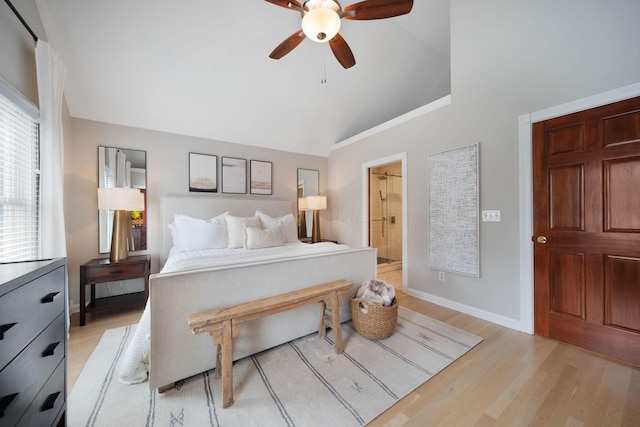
column 508, row 58
column 167, row 173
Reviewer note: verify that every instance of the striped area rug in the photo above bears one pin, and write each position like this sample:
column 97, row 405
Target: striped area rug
column 300, row 383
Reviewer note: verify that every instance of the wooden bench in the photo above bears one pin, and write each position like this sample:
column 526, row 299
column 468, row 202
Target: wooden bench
column 223, row 324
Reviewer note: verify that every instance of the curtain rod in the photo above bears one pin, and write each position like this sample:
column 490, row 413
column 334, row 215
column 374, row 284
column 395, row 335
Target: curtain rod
column 13, row 9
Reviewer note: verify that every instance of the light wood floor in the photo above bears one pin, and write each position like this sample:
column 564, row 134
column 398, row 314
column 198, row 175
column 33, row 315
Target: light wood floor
column 510, row 379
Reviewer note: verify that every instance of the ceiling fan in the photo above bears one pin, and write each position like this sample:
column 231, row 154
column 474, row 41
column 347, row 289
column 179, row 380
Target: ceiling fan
column 321, row 23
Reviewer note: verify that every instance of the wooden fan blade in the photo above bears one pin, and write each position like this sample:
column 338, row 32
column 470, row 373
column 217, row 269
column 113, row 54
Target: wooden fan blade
column 285, row 3
column 377, row 9
column 288, row 45
column 342, row 51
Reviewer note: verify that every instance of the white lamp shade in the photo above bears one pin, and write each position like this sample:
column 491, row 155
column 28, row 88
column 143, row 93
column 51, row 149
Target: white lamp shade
column 321, row 25
column 316, row 203
column 120, row 199
column 302, row 204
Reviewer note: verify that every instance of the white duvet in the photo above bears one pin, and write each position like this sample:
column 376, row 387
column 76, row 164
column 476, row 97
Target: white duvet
column 135, row 364
column 193, row 260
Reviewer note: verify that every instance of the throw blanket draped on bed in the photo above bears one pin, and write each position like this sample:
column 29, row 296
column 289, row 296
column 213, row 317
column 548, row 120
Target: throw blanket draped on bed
column 135, row 364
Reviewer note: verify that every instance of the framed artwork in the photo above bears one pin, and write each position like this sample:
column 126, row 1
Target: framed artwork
column 260, row 177
column 234, row 175
column 203, row 173
column 453, row 211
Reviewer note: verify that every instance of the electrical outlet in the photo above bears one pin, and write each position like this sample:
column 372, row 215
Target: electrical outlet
column 491, row 216
column 441, row 276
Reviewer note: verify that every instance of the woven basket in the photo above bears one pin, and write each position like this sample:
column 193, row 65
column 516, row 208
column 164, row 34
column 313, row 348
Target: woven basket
column 378, row 322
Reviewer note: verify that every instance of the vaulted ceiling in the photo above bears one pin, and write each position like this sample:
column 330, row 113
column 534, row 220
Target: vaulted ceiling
column 201, row 68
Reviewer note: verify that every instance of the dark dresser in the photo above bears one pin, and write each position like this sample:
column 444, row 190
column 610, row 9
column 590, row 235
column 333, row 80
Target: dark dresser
column 33, row 343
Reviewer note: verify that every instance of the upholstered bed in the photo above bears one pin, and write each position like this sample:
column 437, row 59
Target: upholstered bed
column 188, row 284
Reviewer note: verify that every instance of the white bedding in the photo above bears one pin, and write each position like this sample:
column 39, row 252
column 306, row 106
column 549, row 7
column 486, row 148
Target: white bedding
column 193, row 260
column 135, row 364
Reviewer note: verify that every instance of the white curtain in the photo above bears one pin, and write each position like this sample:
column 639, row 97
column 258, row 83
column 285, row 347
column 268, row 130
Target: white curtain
column 51, row 73
column 121, row 170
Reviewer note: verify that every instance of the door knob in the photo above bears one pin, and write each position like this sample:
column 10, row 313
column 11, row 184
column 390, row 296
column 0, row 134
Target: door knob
column 541, row 239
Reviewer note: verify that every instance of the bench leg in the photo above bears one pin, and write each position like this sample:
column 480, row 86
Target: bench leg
column 322, row 329
column 335, row 315
column 218, row 373
column 227, row 365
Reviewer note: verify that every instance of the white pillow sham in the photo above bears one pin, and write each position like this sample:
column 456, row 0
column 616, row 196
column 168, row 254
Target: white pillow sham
column 257, row 238
column 287, row 222
column 191, row 234
column 235, row 229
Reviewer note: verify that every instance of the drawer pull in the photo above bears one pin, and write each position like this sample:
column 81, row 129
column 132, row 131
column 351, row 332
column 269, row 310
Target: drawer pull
column 50, row 402
column 50, row 350
column 117, row 272
column 49, row 297
column 4, row 328
column 5, row 401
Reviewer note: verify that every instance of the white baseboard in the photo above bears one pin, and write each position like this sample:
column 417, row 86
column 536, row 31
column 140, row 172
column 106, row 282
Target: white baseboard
column 466, row 309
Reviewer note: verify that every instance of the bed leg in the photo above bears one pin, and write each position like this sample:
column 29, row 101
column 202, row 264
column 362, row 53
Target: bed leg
column 166, row 387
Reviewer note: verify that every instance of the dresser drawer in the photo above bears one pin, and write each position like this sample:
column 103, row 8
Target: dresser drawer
column 45, row 407
column 22, row 379
column 27, row 309
column 115, row 272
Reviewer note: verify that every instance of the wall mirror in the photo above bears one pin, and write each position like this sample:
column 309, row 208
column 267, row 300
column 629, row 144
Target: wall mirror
column 121, row 167
column 308, row 185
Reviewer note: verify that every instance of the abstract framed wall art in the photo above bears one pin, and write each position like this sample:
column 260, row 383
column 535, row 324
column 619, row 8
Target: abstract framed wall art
column 234, row 175
column 260, row 177
column 453, row 211
column 203, row 173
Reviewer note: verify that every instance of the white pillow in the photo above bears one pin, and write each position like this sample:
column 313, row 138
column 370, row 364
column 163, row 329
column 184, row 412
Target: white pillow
column 258, row 238
column 191, row 234
column 288, row 223
column 235, row 229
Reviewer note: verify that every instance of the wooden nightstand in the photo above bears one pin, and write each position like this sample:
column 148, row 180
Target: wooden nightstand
column 102, row 270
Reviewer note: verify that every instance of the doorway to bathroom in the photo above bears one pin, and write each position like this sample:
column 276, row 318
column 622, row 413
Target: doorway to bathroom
column 384, row 215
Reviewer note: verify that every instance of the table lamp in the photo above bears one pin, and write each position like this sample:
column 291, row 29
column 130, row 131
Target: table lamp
column 316, row 204
column 302, row 219
column 121, row 201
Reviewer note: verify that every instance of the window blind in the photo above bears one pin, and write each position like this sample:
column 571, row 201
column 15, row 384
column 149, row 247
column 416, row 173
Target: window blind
column 19, row 181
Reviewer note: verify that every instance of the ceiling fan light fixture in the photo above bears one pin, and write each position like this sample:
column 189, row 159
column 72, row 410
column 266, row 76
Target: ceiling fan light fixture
column 321, row 21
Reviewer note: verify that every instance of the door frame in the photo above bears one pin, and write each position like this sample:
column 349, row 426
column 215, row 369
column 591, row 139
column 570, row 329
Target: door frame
column 394, row 158
column 525, row 123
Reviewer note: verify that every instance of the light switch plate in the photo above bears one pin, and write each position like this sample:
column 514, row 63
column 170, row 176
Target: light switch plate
column 491, row 216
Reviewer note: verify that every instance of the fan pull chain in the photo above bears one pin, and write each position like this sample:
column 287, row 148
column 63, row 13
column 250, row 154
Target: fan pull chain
column 323, row 66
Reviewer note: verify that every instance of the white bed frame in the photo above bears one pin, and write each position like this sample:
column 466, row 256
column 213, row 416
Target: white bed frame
column 176, row 353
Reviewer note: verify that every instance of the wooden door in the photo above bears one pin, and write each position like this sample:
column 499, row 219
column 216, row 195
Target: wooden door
column 586, row 189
